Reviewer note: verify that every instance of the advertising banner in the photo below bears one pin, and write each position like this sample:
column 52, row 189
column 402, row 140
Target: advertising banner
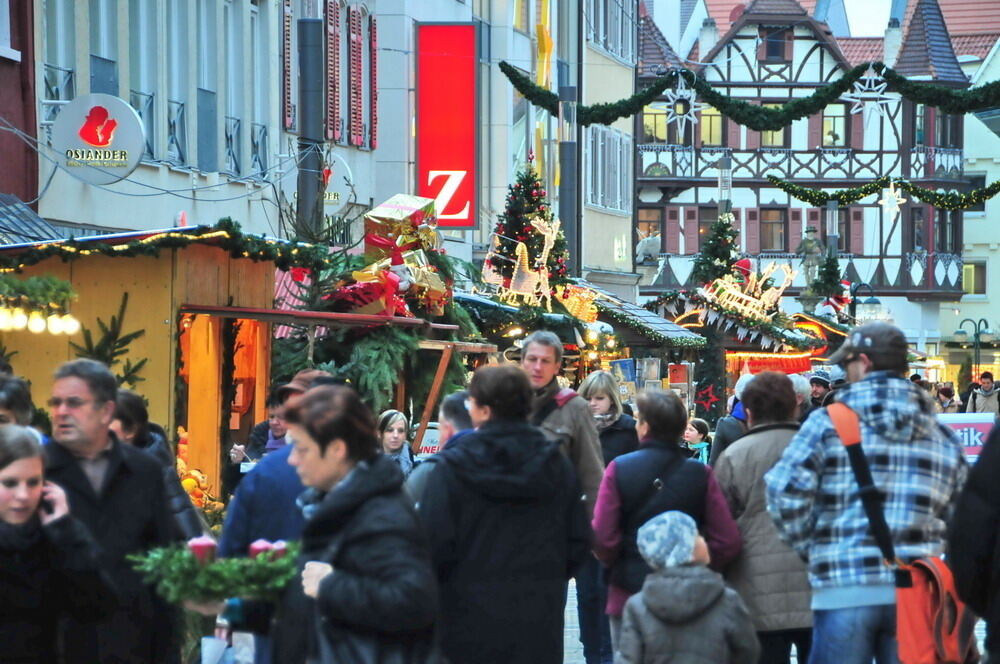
column 972, row 428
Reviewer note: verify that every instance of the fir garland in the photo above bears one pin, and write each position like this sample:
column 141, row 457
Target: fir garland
column 622, row 318
column 758, row 117
column 179, row 576
column 946, row 201
column 226, row 234
column 36, row 292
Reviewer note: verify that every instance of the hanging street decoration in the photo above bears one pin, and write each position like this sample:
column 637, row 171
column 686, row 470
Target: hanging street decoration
column 944, row 201
column 760, row 118
column 868, row 96
column 891, row 202
column 749, row 298
column 682, row 106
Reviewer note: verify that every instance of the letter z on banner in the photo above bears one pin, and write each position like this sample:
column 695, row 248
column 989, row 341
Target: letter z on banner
column 448, row 121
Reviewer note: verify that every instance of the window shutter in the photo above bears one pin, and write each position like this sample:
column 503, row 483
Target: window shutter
column 761, row 45
column 815, row 130
column 857, row 122
column 333, row 128
column 673, row 235
column 690, row 230
column 753, row 137
column 814, row 220
column 357, row 95
column 930, row 126
column 857, row 231
column 732, row 134
column 737, row 225
column 287, row 107
column 373, row 81
column 794, row 228
column 788, row 38
column 753, row 232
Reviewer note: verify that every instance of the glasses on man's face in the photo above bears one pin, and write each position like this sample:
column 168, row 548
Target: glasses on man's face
column 72, row 402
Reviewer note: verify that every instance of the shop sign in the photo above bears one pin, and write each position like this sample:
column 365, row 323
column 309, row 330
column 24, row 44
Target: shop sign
column 447, row 121
column 98, row 138
column 972, row 428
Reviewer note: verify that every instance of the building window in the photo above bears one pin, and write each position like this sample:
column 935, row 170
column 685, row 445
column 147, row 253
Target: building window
column 521, row 15
column 843, row 230
column 775, row 45
column 712, row 128
column 974, row 278
column 919, row 124
column 918, row 229
column 609, row 169
column 976, row 182
column 6, row 47
column 649, row 233
column 772, row 230
column 835, row 126
column 947, row 230
column 948, row 131
column 776, row 138
column 611, row 26
column 654, row 123
column 706, row 217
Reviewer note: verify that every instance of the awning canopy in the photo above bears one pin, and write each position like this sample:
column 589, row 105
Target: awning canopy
column 649, row 329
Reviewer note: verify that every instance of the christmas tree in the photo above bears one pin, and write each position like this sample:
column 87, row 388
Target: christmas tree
column 719, row 252
column 526, row 201
column 827, row 282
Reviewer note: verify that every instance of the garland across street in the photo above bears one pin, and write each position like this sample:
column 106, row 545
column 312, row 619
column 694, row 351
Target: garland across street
column 946, row 201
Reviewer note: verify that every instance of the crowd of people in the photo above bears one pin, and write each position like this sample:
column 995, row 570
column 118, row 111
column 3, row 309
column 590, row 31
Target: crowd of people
column 743, row 545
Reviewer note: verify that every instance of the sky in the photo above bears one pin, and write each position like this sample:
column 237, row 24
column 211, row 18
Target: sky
column 867, row 17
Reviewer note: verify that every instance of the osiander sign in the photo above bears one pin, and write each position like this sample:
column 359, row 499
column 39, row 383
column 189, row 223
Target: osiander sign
column 98, row 138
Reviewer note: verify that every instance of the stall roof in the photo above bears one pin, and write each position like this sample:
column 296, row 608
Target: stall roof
column 643, row 322
column 19, row 223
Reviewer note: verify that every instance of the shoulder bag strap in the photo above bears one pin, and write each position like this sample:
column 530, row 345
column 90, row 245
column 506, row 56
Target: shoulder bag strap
column 848, row 427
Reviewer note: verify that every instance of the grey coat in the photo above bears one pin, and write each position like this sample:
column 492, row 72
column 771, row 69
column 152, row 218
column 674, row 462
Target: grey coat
column 770, row 577
column 686, row 615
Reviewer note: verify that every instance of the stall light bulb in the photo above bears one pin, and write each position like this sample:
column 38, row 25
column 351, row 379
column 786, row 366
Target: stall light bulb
column 591, row 337
column 55, row 324
column 6, row 321
column 36, row 323
column 19, row 319
column 70, row 325
column 611, row 343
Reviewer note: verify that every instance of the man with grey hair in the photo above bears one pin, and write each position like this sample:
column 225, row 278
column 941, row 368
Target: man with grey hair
column 118, row 492
column 803, row 395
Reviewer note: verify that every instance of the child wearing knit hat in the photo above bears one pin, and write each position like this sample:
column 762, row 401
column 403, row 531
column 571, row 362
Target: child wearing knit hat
column 684, row 612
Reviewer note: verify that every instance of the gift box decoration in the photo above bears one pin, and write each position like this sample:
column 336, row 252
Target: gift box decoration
column 402, row 220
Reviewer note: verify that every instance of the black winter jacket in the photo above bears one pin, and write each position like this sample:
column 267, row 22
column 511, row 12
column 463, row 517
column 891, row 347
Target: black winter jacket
column 382, row 587
column 56, row 573
column 974, row 540
column 619, row 438
column 187, row 524
column 129, row 516
column 507, row 526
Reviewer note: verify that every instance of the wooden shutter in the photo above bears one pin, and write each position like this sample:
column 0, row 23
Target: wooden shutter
column 762, row 45
column 690, row 230
column 857, row 122
column 287, row 103
column 815, row 131
column 794, row 228
column 373, row 81
column 930, row 126
column 857, row 231
column 672, row 236
column 732, row 133
column 357, row 94
column 788, row 37
column 332, row 16
column 753, row 231
column 696, row 131
column 753, row 137
column 815, row 220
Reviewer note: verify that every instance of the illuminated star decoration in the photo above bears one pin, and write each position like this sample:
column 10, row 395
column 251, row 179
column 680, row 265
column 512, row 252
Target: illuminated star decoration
column 705, row 397
column 891, row 201
column 682, row 105
column 869, row 95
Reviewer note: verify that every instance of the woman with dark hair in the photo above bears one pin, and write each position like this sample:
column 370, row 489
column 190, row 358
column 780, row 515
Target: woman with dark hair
column 15, row 401
column 505, row 518
column 132, row 426
column 656, row 478
column 769, row 575
column 697, row 439
column 366, row 591
column 48, row 560
column 393, row 431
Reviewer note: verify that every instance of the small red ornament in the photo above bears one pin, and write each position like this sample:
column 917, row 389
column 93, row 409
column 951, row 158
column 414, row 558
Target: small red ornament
column 260, row 547
column 203, row 548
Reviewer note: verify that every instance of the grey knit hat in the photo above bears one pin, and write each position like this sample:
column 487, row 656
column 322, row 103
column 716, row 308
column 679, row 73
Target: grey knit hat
column 667, row 540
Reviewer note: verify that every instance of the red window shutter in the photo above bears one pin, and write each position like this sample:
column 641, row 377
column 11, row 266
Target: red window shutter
column 732, row 134
column 930, row 126
column 788, row 37
column 794, row 228
column 287, row 107
column 762, row 44
column 813, row 220
column 930, row 227
column 673, row 235
column 373, row 82
column 690, row 230
column 857, row 231
column 753, row 232
column 753, row 137
column 857, row 122
column 357, row 95
column 815, row 130
column 333, row 128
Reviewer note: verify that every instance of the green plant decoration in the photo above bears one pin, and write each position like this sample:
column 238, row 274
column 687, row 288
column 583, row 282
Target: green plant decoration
column 112, row 345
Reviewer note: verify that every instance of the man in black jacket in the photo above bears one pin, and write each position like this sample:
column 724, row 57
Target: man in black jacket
column 973, row 541
column 118, row 492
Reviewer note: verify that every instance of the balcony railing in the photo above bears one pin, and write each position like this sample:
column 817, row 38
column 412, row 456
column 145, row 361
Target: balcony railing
column 932, row 162
column 234, row 147
column 176, row 133
column 258, row 149
column 60, row 88
column 143, row 103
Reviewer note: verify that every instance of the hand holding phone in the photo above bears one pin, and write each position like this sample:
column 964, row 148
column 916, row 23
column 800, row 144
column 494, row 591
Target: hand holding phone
column 54, row 504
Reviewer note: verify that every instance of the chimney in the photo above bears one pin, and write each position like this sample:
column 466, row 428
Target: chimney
column 892, row 43
column 707, row 38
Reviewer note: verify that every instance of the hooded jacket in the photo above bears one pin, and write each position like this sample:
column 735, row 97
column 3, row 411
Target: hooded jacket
column 813, row 497
column 686, row 615
column 506, row 522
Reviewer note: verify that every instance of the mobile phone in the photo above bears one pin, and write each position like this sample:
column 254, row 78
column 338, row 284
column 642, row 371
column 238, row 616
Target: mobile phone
column 47, row 506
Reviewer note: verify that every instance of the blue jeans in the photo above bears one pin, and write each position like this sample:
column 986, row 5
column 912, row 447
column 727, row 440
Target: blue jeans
column 591, row 598
column 856, row 635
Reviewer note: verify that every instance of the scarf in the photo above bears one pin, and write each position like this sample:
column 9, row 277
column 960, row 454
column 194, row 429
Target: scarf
column 540, row 398
column 273, row 443
column 404, row 458
column 20, row 537
column 605, row 421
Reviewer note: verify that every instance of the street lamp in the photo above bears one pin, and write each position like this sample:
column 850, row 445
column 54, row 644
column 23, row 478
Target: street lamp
column 568, row 192
column 981, row 332
column 871, row 309
column 725, row 166
column 832, row 227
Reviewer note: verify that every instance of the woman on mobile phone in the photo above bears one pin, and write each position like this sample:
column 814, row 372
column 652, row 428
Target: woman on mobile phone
column 48, row 560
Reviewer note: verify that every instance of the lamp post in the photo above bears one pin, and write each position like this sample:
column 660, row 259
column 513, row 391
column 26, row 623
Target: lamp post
column 725, row 166
column 980, row 332
column 568, row 192
column 872, row 307
column 833, row 227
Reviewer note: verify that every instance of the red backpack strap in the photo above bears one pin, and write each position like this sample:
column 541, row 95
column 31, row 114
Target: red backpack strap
column 564, row 396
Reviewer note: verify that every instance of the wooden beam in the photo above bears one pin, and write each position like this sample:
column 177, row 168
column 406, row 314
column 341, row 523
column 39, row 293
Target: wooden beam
column 460, row 346
column 432, row 396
